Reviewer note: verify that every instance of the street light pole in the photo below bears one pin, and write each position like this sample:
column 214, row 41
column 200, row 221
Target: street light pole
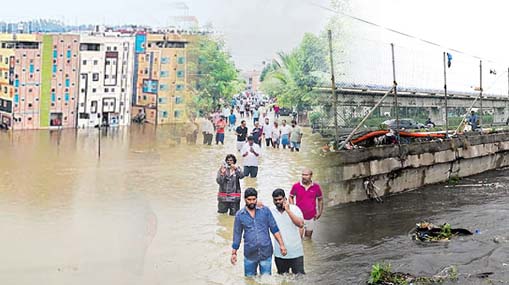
column 395, row 86
column 445, row 97
column 480, row 99
column 334, row 95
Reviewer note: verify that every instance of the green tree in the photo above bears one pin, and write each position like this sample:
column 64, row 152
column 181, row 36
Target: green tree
column 292, row 77
column 212, row 74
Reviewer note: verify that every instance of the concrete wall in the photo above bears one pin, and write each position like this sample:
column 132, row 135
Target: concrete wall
column 406, row 167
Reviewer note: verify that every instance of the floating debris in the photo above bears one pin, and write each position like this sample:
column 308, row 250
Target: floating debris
column 426, row 231
column 381, row 274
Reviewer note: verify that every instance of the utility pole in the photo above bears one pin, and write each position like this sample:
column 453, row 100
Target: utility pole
column 99, row 140
column 445, row 97
column 395, row 87
column 334, row 95
column 480, row 87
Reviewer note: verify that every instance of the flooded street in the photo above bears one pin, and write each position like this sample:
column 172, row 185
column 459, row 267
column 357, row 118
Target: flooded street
column 145, row 213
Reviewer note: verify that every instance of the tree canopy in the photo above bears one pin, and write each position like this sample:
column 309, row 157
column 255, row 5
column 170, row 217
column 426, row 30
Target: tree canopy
column 292, row 77
column 212, row 73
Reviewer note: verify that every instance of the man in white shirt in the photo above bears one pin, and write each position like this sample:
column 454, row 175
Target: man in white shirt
column 207, row 129
column 250, row 151
column 290, row 222
column 267, row 132
column 285, row 134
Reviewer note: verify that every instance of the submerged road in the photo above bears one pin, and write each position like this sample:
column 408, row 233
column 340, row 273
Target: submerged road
column 145, row 213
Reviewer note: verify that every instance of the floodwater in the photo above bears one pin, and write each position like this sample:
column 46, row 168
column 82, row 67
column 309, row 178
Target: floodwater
column 144, row 213
column 361, row 234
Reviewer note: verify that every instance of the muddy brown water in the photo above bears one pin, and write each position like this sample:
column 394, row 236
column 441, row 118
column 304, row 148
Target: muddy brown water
column 145, row 213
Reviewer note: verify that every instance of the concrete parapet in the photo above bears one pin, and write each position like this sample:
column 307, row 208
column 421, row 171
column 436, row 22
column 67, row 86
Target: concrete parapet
column 394, row 168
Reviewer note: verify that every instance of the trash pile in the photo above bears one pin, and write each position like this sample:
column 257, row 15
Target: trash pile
column 428, row 232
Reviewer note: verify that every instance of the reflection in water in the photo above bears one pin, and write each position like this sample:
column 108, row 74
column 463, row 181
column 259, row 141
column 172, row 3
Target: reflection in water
column 145, row 213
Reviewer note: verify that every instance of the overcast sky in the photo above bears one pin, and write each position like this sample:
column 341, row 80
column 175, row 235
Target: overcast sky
column 255, row 30
column 475, row 28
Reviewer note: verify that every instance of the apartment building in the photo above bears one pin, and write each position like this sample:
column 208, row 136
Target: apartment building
column 160, row 77
column 106, row 79
column 38, row 80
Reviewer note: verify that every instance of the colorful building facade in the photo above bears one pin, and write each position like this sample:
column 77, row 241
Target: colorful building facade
column 160, row 78
column 106, row 78
column 39, row 80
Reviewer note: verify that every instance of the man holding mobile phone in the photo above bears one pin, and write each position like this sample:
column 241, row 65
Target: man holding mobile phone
column 290, row 222
column 228, row 178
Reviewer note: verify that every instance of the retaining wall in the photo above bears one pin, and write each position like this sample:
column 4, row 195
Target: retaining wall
column 396, row 168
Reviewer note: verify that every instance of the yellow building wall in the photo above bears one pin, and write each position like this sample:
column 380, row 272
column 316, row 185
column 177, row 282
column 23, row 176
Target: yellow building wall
column 6, row 90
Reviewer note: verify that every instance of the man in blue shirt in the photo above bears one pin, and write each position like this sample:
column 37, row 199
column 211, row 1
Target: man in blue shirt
column 255, row 224
column 473, row 120
column 232, row 119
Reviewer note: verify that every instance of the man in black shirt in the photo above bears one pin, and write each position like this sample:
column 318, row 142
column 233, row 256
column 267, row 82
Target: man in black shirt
column 257, row 133
column 241, row 133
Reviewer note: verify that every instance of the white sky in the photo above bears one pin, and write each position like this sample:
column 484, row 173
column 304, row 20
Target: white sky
column 254, row 29
column 474, row 27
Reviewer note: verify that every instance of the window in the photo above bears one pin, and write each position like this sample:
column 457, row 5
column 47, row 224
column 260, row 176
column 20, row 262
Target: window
column 67, row 82
column 53, row 97
column 93, row 107
column 178, row 100
column 177, row 114
column 95, row 76
column 94, row 90
column 164, row 73
column 179, row 87
column 68, row 53
column 96, row 62
column 55, row 53
column 106, row 90
column 181, row 60
column 165, row 114
column 180, row 73
column 84, row 62
column 66, row 97
column 165, row 60
column 162, row 100
column 163, row 87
